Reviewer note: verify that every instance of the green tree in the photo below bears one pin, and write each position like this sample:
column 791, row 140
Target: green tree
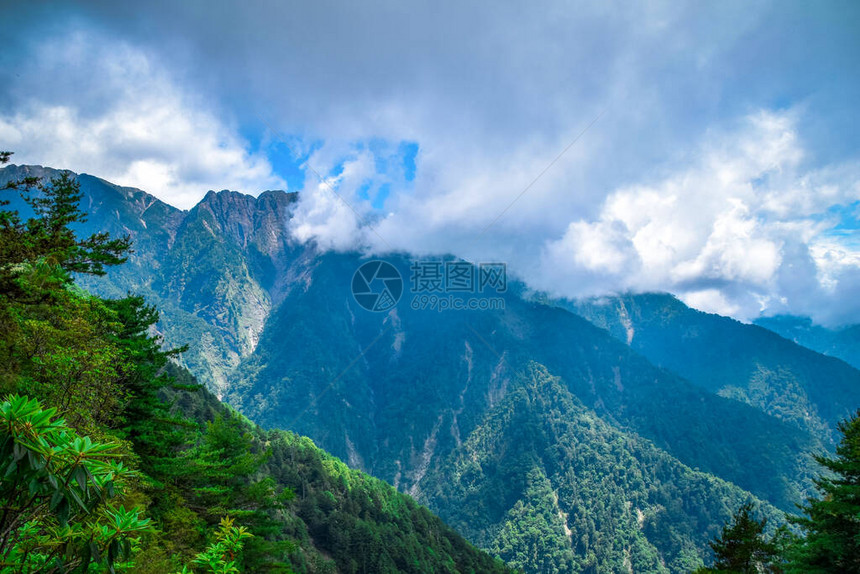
column 533, row 536
column 221, row 556
column 742, row 546
column 832, row 522
column 97, row 364
column 50, row 236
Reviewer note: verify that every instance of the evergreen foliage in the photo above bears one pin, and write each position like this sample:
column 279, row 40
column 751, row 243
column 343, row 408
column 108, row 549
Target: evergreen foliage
column 832, row 520
column 594, row 498
column 743, row 548
column 59, row 494
column 49, row 235
column 829, row 540
column 220, row 556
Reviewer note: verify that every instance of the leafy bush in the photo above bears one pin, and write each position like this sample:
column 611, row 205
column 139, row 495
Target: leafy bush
column 57, row 493
column 220, row 556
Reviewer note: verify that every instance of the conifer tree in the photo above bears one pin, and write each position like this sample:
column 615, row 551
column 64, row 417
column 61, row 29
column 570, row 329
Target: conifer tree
column 50, row 235
column 832, row 521
column 742, row 547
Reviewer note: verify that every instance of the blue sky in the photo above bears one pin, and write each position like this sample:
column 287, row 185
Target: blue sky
column 723, row 166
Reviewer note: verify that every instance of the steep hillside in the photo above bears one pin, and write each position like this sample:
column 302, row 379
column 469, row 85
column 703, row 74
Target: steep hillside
column 341, row 519
column 548, row 486
column 743, row 362
column 840, row 342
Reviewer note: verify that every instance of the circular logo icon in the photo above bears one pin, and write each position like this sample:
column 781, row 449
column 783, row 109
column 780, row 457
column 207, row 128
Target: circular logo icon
column 377, row 286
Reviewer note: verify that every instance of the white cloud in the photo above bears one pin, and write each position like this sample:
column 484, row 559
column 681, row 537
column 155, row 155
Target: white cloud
column 727, row 234
column 661, row 194
column 710, row 301
column 338, row 213
column 147, row 133
column 330, row 212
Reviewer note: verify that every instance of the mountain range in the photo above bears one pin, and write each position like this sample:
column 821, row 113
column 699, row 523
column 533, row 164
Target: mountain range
column 613, row 434
column 841, row 342
column 748, row 363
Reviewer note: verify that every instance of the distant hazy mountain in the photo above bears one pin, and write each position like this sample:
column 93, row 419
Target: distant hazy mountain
column 551, row 442
column 842, row 342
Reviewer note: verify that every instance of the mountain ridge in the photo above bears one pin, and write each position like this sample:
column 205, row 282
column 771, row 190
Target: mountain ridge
column 274, row 330
column 840, row 342
column 766, row 370
column 218, row 313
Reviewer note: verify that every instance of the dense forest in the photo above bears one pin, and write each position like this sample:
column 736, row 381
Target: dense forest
column 746, row 363
column 114, row 459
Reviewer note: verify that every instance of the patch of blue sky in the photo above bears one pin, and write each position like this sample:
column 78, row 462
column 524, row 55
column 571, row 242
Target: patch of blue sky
column 847, row 231
column 375, row 193
column 285, row 164
column 288, row 154
column 381, row 195
column 408, row 153
column 363, row 192
column 280, row 153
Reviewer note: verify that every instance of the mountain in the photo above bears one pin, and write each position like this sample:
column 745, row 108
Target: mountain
column 841, row 342
column 744, row 362
column 343, row 520
column 404, row 394
column 543, row 476
column 542, row 437
column 214, row 271
column 116, row 460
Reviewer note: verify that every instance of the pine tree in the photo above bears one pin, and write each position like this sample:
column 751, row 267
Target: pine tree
column 49, row 237
column 742, row 547
column 832, row 522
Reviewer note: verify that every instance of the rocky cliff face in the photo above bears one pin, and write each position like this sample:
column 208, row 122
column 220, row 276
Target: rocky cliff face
column 215, row 271
column 228, row 265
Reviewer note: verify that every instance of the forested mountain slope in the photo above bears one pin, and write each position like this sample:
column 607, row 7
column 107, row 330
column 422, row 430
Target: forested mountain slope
column 416, row 397
column 743, row 362
column 547, row 485
column 342, row 520
column 840, row 342
column 115, row 460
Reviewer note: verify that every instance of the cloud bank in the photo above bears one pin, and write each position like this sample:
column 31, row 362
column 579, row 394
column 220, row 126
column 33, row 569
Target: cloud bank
column 723, row 167
column 138, row 129
column 744, row 230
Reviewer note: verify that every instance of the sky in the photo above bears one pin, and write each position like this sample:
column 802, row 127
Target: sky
column 707, row 149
